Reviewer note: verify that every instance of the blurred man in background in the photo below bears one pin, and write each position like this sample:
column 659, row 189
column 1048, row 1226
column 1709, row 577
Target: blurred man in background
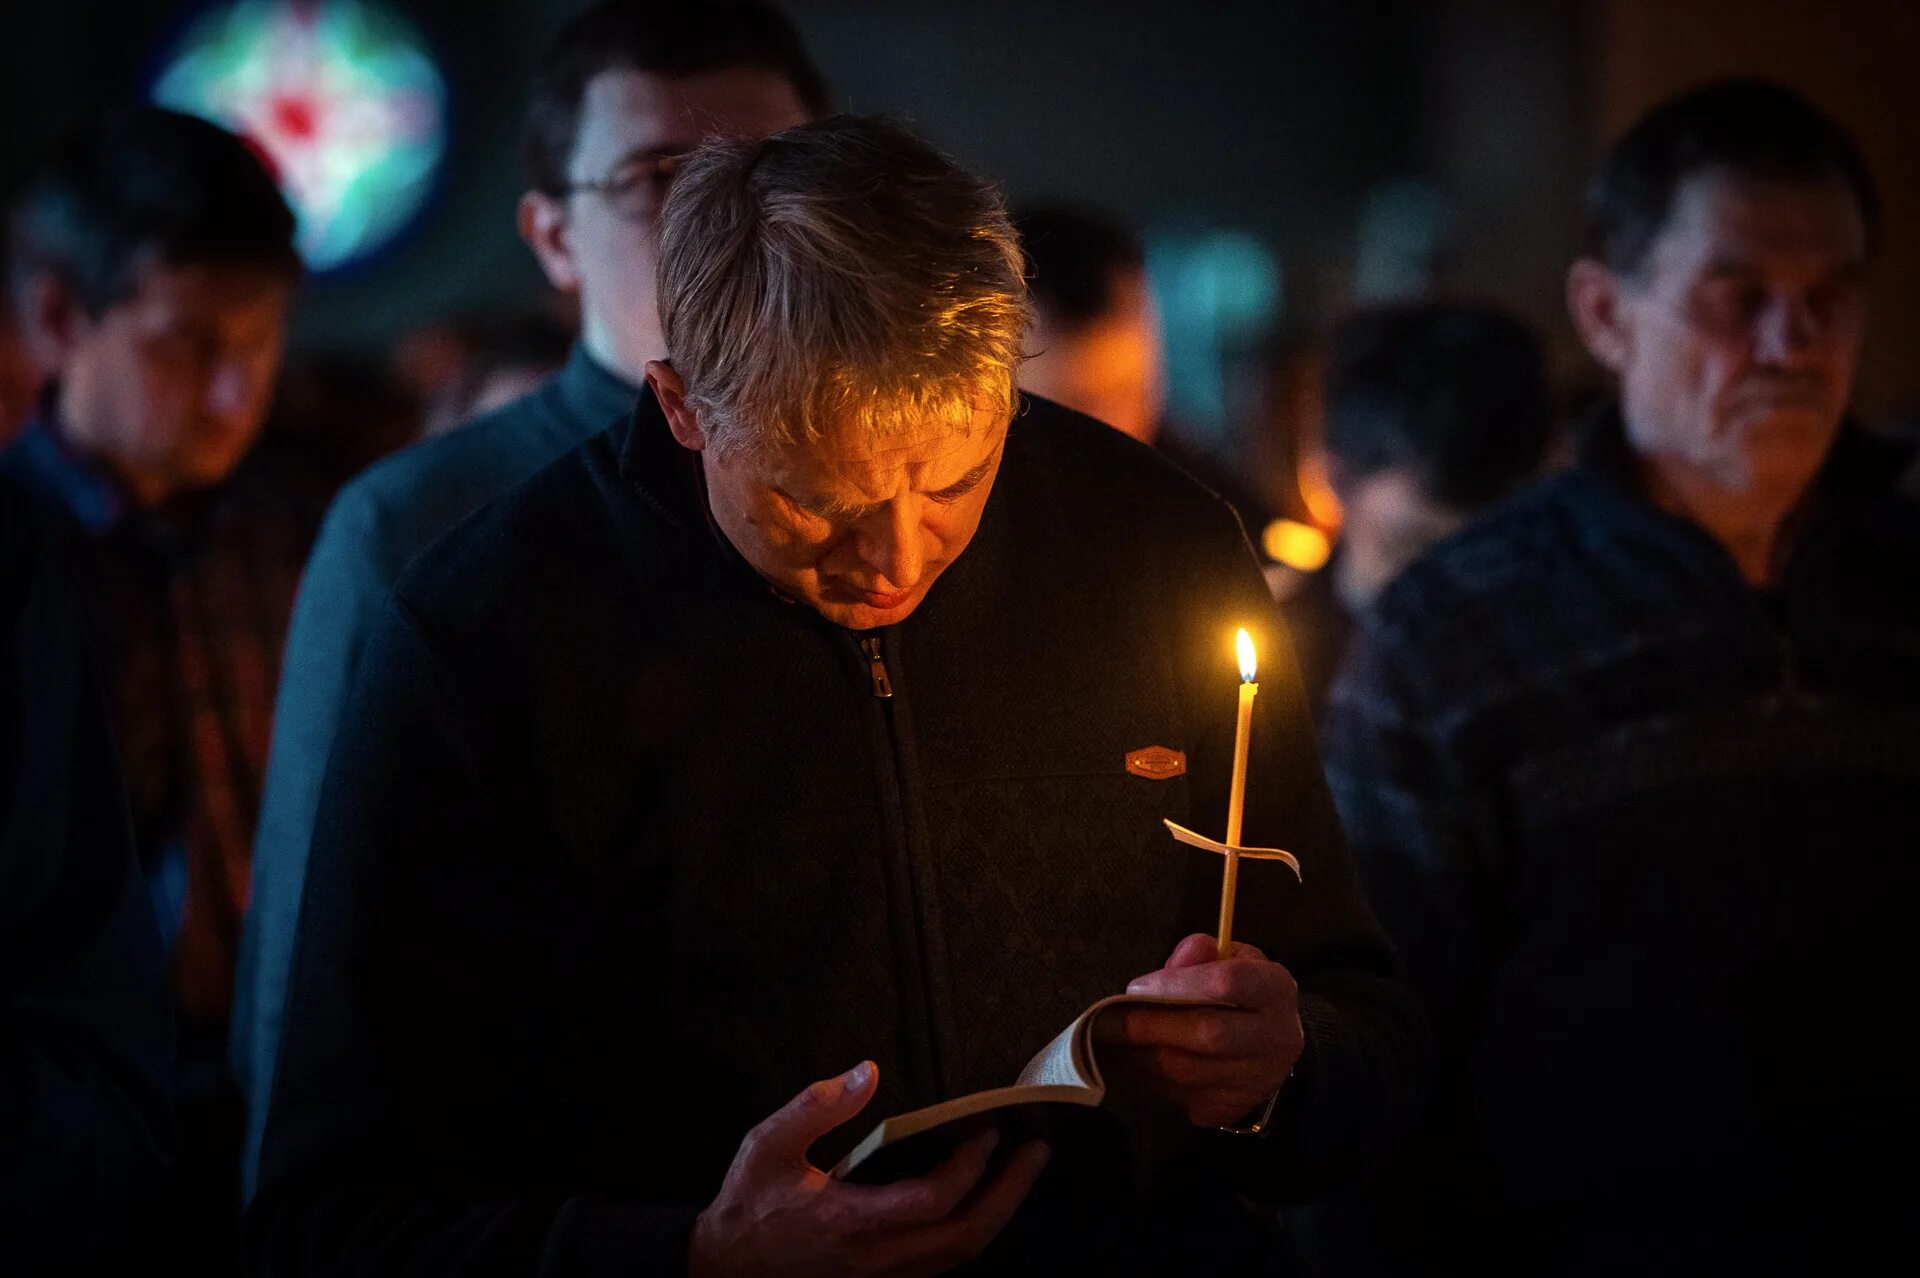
column 625, row 89
column 1632, row 766
column 1434, row 411
column 153, row 270
column 1096, row 343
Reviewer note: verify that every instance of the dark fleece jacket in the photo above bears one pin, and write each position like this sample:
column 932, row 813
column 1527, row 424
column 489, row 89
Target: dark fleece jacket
column 619, row 850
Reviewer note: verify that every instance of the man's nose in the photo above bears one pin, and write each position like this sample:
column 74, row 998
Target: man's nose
column 1787, row 331
column 889, row 543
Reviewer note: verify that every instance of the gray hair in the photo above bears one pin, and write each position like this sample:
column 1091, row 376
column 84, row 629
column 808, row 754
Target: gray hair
column 843, row 275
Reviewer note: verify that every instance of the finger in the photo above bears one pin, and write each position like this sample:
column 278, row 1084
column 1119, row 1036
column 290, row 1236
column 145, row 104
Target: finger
column 959, row 1239
column 1204, row 947
column 1242, row 981
column 818, row 1109
column 920, row 1200
column 1172, row 1073
column 1201, row 1031
column 1194, row 949
column 988, row 1214
column 1210, row 1093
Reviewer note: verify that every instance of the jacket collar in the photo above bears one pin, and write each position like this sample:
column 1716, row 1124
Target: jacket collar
column 43, row 459
column 1858, row 466
column 669, row 478
column 653, row 464
column 592, row 396
column 158, row 538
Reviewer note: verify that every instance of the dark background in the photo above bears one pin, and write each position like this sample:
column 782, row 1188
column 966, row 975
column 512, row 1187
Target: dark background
column 1374, row 148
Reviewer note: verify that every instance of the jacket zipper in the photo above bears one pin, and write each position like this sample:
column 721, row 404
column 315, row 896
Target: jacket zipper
column 911, row 884
column 877, row 667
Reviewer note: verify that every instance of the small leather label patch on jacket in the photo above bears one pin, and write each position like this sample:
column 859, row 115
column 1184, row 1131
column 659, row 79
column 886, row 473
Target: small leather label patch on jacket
column 1157, row 763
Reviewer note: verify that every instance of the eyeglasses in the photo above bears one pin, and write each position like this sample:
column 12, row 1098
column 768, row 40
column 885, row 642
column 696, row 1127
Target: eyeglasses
column 636, row 190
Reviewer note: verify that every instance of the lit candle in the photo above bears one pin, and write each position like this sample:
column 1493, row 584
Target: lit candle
column 1237, row 796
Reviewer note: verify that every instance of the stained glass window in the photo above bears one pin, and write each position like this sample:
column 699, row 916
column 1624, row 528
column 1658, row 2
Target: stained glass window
column 341, row 97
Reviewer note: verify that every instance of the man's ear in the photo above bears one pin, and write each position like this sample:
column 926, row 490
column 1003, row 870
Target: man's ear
column 52, row 320
column 1593, row 300
column 542, row 219
column 671, row 390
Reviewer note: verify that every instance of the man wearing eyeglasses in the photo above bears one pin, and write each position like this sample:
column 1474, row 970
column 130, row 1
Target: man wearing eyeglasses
column 623, row 90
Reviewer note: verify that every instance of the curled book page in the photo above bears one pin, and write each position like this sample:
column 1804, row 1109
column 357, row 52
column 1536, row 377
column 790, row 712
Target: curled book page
column 1070, row 1061
column 1064, row 1072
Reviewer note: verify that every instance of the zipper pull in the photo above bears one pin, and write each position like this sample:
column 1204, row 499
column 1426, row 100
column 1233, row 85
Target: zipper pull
column 877, row 667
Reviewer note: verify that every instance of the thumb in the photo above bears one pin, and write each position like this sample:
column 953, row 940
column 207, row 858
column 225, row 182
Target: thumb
column 818, row 1109
column 1192, row 951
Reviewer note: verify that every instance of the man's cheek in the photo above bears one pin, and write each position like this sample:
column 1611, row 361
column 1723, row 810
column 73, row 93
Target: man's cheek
column 610, row 253
column 1717, row 381
column 151, row 412
column 795, row 552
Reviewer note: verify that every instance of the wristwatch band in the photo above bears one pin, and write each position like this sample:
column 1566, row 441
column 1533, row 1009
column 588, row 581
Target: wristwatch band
column 1259, row 1124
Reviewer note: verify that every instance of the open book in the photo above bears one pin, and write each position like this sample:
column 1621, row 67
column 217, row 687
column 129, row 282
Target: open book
column 1064, row 1072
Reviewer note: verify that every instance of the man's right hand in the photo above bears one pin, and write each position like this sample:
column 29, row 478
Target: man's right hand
column 777, row 1214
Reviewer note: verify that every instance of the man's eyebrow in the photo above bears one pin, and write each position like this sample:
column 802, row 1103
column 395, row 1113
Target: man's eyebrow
column 839, row 506
column 822, row 505
column 1720, row 268
column 1729, row 268
column 967, row 482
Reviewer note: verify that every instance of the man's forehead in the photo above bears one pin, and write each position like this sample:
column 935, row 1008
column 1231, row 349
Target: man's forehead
column 928, row 461
column 208, row 288
column 625, row 112
column 1718, row 215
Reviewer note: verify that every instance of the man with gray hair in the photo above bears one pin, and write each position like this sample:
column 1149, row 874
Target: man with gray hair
column 799, row 721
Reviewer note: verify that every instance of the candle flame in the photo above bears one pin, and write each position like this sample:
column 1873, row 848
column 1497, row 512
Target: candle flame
column 1243, row 642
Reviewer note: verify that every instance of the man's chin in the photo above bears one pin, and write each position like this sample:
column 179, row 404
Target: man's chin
column 1792, row 437
column 208, row 468
column 1780, row 465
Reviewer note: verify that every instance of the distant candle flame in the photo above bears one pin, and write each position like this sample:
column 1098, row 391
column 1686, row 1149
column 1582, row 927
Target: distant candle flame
column 1243, row 642
column 1301, row 547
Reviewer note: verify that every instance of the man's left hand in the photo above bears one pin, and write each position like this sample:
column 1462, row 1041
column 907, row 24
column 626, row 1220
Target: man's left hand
column 1218, row 1065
